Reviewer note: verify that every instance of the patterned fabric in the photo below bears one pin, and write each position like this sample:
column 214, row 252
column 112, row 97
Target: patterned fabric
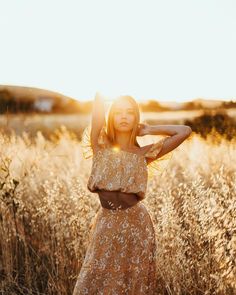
column 121, row 253
column 113, row 171
column 155, row 168
column 121, row 256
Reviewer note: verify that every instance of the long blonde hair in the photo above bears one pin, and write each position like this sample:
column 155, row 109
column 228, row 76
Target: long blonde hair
column 110, row 125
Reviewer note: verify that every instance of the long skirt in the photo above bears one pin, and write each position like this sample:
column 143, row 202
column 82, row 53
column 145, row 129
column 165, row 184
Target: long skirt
column 121, row 254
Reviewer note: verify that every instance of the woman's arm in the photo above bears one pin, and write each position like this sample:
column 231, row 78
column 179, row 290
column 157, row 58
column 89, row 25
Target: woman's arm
column 178, row 133
column 168, row 129
column 98, row 119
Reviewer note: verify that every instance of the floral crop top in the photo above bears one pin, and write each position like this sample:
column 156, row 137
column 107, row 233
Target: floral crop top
column 118, row 170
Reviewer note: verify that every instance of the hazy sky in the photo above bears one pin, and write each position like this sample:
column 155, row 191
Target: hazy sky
column 149, row 49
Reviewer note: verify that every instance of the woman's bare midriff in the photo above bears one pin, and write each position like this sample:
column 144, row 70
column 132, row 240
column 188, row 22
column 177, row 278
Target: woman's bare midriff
column 116, row 199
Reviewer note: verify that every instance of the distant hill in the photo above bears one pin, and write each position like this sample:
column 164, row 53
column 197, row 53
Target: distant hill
column 195, row 104
column 16, row 99
column 31, row 92
column 23, row 99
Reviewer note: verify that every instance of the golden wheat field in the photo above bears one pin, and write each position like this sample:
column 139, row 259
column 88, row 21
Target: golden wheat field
column 47, row 213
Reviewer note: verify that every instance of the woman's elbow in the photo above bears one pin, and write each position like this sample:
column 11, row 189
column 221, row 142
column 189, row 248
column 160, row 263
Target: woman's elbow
column 187, row 130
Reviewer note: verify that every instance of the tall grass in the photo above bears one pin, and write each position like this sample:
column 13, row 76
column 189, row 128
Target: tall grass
column 47, row 213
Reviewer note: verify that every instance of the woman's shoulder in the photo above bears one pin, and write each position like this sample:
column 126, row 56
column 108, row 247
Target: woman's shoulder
column 147, row 150
column 89, row 149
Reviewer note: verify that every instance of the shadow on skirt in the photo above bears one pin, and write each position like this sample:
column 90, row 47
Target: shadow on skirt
column 121, row 254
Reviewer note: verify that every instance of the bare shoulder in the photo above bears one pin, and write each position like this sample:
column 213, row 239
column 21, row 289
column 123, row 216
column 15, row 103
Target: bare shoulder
column 95, row 147
column 141, row 150
column 144, row 149
column 102, row 141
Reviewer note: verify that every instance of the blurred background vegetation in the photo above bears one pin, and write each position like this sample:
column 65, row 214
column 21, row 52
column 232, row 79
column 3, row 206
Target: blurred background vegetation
column 27, row 109
column 47, row 212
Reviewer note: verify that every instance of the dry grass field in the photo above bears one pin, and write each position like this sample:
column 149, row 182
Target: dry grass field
column 47, row 213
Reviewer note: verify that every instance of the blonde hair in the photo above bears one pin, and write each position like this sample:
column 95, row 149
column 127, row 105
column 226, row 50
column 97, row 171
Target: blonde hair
column 110, row 125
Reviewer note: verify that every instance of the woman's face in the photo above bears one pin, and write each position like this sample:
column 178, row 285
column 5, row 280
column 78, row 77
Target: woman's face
column 124, row 116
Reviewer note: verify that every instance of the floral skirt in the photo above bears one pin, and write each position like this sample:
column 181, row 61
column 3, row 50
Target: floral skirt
column 121, row 254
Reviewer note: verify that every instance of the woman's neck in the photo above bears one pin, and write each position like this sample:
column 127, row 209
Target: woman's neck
column 123, row 140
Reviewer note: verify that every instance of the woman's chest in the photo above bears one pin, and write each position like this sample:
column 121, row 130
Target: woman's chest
column 119, row 164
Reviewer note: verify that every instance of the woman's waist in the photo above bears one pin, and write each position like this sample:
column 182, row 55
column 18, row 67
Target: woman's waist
column 117, row 199
column 115, row 193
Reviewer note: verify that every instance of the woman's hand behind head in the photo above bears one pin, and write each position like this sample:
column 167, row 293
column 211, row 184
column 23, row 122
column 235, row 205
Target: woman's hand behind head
column 142, row 129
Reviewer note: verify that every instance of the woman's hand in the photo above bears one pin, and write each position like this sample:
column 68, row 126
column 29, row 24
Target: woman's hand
column 102, row 98
column 98, row 96
column 142, row 129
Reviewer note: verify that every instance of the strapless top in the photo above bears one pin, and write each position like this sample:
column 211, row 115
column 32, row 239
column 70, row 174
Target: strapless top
column 114, row 169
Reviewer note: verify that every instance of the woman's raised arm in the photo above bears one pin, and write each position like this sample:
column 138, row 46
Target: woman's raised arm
column 177, row 134
column 98, row 118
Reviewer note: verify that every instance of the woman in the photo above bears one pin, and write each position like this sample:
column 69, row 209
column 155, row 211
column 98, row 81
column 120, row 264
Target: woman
column 120, row 258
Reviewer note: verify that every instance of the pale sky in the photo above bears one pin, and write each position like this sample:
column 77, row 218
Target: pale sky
column 167, row 50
